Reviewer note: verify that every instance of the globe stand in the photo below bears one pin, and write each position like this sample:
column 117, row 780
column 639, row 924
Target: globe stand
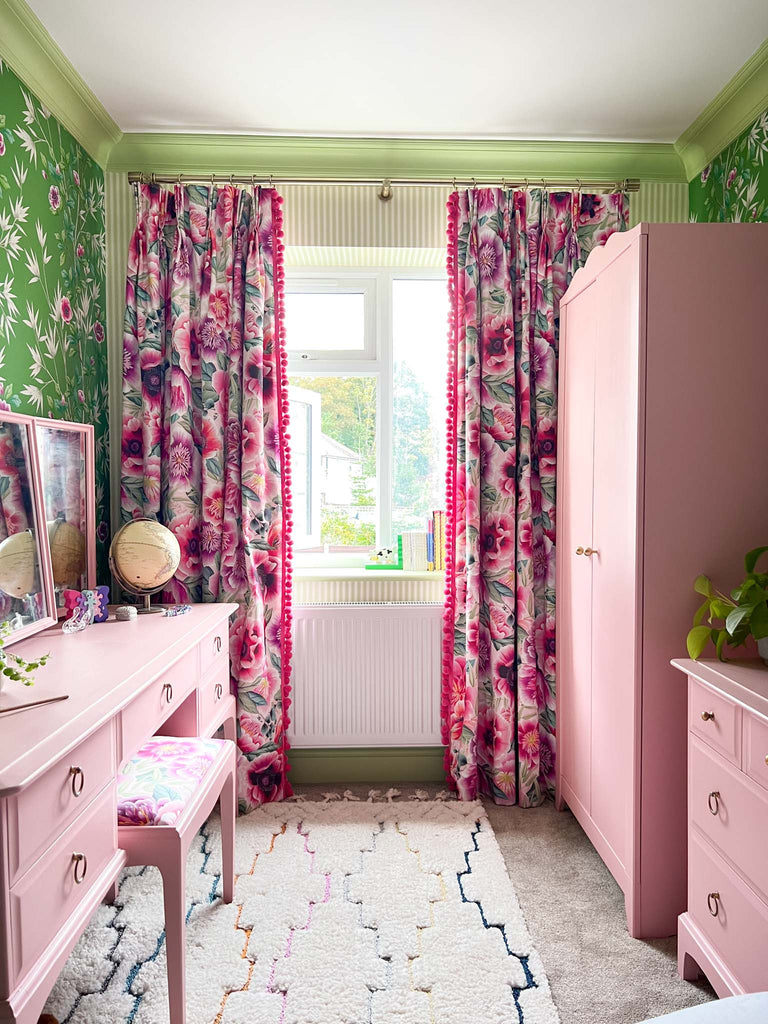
column 147, row 608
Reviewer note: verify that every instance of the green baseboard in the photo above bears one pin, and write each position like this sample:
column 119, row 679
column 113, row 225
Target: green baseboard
column 366, row 764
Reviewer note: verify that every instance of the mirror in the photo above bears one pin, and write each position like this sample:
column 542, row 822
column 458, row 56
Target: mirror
column 65, row 453
column 26, row 599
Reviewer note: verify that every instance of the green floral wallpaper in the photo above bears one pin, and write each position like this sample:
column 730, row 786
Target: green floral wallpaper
column 734, row 187
column 53, row 353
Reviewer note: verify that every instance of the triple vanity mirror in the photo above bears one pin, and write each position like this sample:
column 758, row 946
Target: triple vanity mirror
column 47, row 519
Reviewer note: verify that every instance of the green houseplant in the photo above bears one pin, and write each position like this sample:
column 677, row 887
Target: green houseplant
column 13, row 666
column 732, row 619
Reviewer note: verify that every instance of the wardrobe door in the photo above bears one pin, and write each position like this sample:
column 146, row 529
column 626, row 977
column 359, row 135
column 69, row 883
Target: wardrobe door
column 574, row 526
column 615, row 625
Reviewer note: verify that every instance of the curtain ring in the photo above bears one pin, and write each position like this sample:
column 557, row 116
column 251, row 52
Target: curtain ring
column 152, row 179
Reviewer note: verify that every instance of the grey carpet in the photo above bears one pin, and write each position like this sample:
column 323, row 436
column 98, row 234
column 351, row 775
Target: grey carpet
column 575, row 914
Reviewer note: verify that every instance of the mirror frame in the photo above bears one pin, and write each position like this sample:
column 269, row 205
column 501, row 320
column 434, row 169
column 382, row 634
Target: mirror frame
column 86, row 429
column 41, row 533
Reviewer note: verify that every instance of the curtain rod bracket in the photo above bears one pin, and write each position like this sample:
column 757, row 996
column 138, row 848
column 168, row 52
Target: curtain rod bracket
column 385, row 192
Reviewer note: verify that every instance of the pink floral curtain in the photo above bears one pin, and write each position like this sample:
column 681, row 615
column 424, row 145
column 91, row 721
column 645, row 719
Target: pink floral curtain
column 204, row 433
column 511, row 256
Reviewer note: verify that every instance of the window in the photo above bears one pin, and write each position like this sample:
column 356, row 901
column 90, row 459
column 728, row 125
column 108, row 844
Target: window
column 366, row 364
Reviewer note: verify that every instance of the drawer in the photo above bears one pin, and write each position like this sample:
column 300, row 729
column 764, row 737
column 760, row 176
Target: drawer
column 41, row 812
column 756, row 748
column 45, row 897
column 214, row 644
column 740, row 813
column 739, row 931
column 716, row 719
column 212, row 691
column 157, row 702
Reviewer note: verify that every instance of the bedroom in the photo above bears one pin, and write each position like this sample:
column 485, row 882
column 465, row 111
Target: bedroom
column 381, row 415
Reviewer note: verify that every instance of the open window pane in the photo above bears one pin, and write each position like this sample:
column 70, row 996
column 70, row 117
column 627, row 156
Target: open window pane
column 344, row 485
column 325, row 321
column 420, row 310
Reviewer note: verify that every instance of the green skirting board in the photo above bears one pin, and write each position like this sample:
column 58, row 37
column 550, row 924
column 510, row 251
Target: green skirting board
column 366, row 764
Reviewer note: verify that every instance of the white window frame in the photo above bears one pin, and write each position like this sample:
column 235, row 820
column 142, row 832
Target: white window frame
column 312, row 399
column 375, row 360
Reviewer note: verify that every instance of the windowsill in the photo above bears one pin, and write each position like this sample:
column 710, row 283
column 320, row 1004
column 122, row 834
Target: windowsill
column 352, row 573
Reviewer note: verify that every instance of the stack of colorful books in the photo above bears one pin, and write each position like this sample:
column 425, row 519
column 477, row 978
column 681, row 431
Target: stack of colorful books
column 419, row 550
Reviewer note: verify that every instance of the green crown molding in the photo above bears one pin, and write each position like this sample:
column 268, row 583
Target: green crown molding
column 734, row 108
column 28, row 49
column 295, row 157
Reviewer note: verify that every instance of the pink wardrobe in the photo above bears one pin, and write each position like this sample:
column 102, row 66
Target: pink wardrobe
column 662, row 474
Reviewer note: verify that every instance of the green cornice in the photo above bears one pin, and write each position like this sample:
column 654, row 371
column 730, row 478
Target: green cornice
column 734, row 108
column 29, row 50
column 292, row 156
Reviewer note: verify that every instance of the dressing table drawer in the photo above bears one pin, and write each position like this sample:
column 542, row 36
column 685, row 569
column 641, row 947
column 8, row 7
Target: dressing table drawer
column 149, row 709
column 725, row 807
column 46, row 895
column 716, row 720
column 43, row 810
column 214, row 645
column 212, row 692
column 756, row 748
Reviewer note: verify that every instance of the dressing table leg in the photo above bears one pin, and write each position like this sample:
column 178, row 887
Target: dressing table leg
column 229, row 725
column 111, row 894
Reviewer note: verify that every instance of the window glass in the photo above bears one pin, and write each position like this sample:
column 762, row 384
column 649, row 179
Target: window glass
column 345, row 483
column 325, row 321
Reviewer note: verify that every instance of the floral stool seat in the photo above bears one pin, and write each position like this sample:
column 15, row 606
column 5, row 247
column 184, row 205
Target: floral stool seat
column 164, row 794
column 154, row 787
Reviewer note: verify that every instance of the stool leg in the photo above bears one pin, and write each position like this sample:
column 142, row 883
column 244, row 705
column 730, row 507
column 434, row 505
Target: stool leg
column 173, row 870
column 228, row 810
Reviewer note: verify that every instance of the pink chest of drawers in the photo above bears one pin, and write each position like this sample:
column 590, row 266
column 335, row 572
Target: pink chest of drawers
column 58, row 765
column 724, row 932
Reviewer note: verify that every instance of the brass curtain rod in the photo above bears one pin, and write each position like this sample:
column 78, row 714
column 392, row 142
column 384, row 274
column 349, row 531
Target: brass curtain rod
column 550, row 185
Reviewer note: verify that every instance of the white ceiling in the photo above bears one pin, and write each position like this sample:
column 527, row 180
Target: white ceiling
column 588, row 69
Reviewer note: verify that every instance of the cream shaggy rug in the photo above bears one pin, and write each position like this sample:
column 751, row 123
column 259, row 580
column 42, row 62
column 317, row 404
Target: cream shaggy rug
column 345, row 912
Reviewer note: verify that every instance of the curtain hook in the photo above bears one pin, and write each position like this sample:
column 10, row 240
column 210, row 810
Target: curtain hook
column 231, row 182
column 270, row 182
column 454, row 183
column 474, row 183
column 178, row 179
column 152, row 180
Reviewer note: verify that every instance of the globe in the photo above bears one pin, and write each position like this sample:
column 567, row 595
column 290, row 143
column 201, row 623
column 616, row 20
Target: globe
column 143, row 557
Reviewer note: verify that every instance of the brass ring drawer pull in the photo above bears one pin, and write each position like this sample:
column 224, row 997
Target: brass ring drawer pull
column 78, row 780
column 217, row 643
column 79, row 859
column 707, row 716
column 713, row 900
column 168, row 691
column 218, row 691
column 713, row 800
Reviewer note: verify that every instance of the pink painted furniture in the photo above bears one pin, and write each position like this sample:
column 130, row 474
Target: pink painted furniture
column 198, row 772
column 662, row 350
column 59, row 852
column 724, row 931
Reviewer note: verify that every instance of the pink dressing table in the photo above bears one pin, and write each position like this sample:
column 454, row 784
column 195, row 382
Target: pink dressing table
column 58, row 822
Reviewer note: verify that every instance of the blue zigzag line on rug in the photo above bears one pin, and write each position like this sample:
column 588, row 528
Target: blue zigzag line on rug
column 119, row 929
column 521, row 957
column 369, row 927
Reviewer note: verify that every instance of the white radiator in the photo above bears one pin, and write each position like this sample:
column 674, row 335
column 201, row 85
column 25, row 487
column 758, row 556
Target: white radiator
column 366, row 675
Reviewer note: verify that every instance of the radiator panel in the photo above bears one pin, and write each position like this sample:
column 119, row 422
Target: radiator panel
column 366, row 675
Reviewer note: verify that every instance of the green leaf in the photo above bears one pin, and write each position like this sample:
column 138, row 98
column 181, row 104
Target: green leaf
column 759, row 621
column 701, row 611
column 736, row 617
column 703, row 585
column 751, row 557
column 720, row 608
column 720, row 644
column 696, row 640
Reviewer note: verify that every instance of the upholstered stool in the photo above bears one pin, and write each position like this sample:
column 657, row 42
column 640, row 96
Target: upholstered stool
column 164, row 794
